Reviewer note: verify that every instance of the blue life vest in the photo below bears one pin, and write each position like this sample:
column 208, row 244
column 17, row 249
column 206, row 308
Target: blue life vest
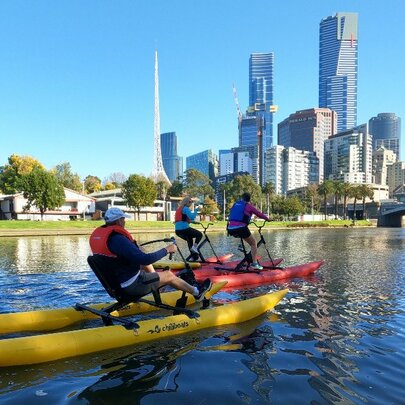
column 237, row 212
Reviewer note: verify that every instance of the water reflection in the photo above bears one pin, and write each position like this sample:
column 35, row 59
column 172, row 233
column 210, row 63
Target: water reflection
column 336, row 337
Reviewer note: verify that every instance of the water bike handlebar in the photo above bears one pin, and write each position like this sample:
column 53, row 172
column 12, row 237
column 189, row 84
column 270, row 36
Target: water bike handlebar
column 259, row 227
column 204, row 227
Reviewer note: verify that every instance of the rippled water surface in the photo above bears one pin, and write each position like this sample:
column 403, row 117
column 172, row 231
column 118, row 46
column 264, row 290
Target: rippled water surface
column 338, row 336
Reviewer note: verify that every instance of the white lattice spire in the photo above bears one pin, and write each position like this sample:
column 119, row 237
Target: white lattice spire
column 158, row 173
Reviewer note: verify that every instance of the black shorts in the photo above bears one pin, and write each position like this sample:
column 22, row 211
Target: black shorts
column 144, row 284
column 242, row 232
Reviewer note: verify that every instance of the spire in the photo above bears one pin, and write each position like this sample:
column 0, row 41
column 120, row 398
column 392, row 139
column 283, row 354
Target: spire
column 158, row 173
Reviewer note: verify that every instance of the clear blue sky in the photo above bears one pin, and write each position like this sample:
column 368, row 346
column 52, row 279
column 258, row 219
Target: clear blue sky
column 77, row 77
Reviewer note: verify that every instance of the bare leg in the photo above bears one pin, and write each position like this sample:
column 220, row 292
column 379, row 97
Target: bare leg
column 167, row 277
column 148, row 268
column 253, row 247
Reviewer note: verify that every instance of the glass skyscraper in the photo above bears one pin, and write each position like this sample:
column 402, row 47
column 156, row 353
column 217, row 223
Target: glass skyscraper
column 261, row 67
column 386, row 131
column 338, row 67
column 172, row 163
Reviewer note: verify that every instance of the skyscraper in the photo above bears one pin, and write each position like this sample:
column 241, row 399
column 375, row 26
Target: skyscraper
column 338, row 67
column 386, row 131
column 172, row 163
column 261, row 67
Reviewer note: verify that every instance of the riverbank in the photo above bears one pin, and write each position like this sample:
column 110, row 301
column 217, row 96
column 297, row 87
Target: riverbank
column 55, row 228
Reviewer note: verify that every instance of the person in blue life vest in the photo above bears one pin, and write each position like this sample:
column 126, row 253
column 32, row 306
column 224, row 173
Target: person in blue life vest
column 239, row 218
column 132, row 266
column 182, row 219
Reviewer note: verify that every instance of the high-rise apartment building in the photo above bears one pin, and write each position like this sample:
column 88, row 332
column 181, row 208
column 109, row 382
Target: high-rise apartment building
column 338, row 67
column 205, row 162
column 395, row 175
column 386, row 131
column 290, row 168
column 172, row 163
column 348, row 156
column 308, row 130
column 382, row 158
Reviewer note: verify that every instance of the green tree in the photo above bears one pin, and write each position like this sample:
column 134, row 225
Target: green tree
column 139, row 191
column 162, row 188
column 243, row 184
column 312, row 199
column 325, row 190
column 210, row 207
column 64, row 175
column 356, row 194
column 42, row 190
column 12, row 173
column 176, row 189
column 337, row 193
column 293, row 206
column 366, row 191
column 197, row 184
column 268, row 190
column 92, row 184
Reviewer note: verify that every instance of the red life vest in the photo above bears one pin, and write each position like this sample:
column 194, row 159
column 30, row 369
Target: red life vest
column 179, row 216
column 99, row 237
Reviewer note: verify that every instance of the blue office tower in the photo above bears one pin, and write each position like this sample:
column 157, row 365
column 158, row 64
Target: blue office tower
column 261, row 66
column 338, row 67
column 172, row 163
column 205, row 162
column 386, row 131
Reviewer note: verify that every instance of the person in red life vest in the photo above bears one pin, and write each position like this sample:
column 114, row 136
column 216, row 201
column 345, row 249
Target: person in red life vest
column 239, row 218
column 183, row 217
column 133, row 267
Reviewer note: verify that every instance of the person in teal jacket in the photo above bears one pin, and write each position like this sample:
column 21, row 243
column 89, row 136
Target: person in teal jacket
column 183, row 217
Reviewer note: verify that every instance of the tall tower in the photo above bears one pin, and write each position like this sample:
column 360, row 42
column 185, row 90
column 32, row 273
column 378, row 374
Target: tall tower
column 386, row 131
column 338, row 67
column 158, row 173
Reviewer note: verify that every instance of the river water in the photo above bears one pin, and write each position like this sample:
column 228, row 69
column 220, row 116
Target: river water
column 338, row 336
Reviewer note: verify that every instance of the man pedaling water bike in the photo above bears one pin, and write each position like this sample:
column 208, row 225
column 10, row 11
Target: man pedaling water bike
column 238, row 221
column 133, row 267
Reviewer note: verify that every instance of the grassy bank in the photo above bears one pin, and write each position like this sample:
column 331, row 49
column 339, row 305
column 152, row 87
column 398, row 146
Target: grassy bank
column 159, row 225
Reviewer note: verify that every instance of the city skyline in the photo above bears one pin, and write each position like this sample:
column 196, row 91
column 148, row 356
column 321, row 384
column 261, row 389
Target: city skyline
column 77, row 82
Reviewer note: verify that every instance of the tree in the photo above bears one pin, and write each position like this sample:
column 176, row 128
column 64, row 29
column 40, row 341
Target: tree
column 325, row 190
column 293, row 206
column 116, row 179
column 356, row 194
column 365, row 190
column 162, row 188
column 92, row 184
column 197, row 184
column 42, row 189
column 64, row 175
column 346, row 192
column 243, row 184
column 268, row 189
column 176, row 189
column 337, row 192
column 139, row 191
column 210, row 207
column 312, row 199
column 11, row 174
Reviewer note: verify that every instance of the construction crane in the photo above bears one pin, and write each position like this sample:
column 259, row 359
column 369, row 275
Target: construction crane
column 235, row 96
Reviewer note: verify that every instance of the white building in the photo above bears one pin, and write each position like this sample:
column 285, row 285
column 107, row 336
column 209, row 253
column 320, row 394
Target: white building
column 290, row 168
column 395, row 175
column 382, row 158
column 76, row 206
column 348, row 156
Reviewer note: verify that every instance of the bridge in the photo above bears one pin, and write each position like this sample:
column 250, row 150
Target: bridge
column 392, row 214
